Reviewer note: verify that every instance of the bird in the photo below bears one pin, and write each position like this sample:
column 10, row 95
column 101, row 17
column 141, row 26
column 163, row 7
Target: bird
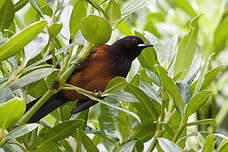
column 103, row 64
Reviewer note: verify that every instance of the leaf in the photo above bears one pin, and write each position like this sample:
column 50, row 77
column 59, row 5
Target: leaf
column 31, row 77
column 185, row 6
column 116, row 84
column 209, row 144
column 62, row 130
column 79, row 11
column 144, row 100
column 185, row 92
column 202, row 75
column 187, row 47
column 10, row 112
column 220, row 35
column 7, row 14
column 209, row 77
column 20, row 4
column 21, row 130
column 54, row 29
column 223, row 146
column 170, row 86
column 168, row 146
column 87, row 142
column 113, row 11
column 96, row 29
column 203, row 122
column 127, row 146
column 193, row 71
column 98, row 7
column 36, row 5
column 196, row 102
column 21, row 39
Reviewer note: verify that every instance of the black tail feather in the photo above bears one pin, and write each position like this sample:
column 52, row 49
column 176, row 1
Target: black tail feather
column 50, row 105
column 83, row 105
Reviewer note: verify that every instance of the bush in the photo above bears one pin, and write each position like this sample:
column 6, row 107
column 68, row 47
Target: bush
column 168, row 101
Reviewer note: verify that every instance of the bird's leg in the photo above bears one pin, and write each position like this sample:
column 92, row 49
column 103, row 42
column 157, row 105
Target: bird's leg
column 97, row 93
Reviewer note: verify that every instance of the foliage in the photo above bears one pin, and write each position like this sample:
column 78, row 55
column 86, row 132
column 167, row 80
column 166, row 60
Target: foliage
column 169, row 88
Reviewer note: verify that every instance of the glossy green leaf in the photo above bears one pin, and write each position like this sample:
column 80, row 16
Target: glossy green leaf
column 7, row 14
column 113, row 11
column 187, row 47
column 20, row 4
column 209, row 144
column 185, row 6
column 61, row 131
column 10, row 112
column 54, row 29
column 116, row 84
column 21, row 39
column 96, row 29
column 170, row 86
column 196, row 102
column 168, row 146
column 127, row 146
column 144, row 100
column 184, row 91
column 87, row 142
column 36, row 5
column 79, row 11
column 31, row 77
column 22, row 130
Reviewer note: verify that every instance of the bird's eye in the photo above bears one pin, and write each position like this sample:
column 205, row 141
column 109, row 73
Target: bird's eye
column 134, row 40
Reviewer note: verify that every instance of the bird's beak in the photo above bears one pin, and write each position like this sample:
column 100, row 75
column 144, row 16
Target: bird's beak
column 144, row 45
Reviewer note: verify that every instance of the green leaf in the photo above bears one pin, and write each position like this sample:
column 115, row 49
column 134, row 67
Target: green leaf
column 223, row 146
column 209, row 77
column 21, row 130
column 116, row 84
column 170, row 86
column 96, row 29
column 144, row 100
column 7, row 14
column 62, row 130
column 98, row 7
column 54, row 29
column 87, row 142
column 127, row 146
column 196, row 102
column 185, row 6
column 20, row 4
column 187, row 47
column 113, row 11
column 184, row 91
column 209, row 144
column 202, row 75
column 31, row 77
column 36, row 5
column 203, row 122
column 21, row 39
column 10, row 112
column 220, row 35
column 168, row 146
column 79, row 11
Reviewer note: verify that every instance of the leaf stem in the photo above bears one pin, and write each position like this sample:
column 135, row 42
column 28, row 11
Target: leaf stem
column 181, row 128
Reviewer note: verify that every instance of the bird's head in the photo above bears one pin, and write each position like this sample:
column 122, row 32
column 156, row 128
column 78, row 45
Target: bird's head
column 131, row 46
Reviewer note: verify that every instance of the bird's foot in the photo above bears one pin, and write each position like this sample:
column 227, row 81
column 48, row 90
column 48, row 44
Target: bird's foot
column 97, row 93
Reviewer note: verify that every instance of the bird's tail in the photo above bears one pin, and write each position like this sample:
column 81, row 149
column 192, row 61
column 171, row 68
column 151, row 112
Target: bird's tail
column 50, row 105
